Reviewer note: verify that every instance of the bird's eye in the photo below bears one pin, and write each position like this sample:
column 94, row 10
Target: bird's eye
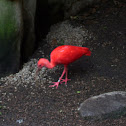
column 40, row 66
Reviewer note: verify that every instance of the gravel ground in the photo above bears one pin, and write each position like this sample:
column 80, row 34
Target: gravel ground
column 27, row 100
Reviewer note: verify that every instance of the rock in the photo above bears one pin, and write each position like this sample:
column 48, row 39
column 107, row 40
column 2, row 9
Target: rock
column 10, row 36
column 17, row 37
column 28, row 43
column 67, row 8
column 107, row 105
column 72, row 7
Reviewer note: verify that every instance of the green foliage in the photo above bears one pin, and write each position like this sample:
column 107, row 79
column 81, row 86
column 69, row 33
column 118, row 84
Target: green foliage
column 78, row 92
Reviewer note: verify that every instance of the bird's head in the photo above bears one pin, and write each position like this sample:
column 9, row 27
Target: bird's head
column 42, row 62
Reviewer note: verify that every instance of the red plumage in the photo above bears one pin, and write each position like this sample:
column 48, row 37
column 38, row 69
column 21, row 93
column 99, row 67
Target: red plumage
column 65, row 55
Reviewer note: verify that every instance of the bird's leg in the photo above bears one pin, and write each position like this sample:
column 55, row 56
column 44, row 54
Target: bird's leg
column 59, row 81
column 66, row 79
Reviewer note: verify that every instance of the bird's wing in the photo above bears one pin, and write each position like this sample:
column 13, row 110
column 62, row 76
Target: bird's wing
column 66, row 54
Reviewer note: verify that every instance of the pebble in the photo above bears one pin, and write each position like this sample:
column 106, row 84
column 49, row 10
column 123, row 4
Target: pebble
column 67, row 34
column 26, row 76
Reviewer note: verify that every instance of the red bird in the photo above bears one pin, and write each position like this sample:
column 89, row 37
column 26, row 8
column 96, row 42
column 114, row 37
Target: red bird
column 65, row 55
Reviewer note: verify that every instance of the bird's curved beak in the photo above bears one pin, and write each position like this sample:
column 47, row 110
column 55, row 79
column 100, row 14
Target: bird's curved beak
column 37, row 71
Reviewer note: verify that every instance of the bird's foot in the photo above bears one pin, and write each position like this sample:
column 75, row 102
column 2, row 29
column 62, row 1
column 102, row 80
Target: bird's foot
column 65, row 80
column 55, row 84
column 60, row 81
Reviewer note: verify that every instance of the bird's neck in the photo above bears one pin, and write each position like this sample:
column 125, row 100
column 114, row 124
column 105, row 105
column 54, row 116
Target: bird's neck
column 49, row 65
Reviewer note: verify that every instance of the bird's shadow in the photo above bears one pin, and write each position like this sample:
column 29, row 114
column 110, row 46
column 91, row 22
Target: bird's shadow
column 81, row 65
column 78, row 68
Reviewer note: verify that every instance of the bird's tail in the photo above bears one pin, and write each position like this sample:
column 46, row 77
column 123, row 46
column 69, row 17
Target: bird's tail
column 87, row 52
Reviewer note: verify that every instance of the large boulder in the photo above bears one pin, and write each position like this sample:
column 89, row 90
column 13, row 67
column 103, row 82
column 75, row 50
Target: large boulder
column 17, row 34
column 10, row 36
column 107, row 105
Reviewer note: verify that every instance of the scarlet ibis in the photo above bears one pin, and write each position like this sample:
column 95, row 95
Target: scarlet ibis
column 65, row 55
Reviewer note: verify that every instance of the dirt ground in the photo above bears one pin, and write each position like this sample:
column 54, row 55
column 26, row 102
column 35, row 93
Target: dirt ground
column 103, row 72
